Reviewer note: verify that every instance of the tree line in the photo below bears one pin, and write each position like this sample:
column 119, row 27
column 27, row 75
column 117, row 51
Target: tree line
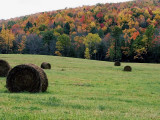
column 128, row 31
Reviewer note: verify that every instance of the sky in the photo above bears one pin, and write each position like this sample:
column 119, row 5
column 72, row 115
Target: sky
column 17, row 8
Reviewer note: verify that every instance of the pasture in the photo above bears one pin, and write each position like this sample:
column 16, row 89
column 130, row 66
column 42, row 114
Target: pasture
column 83, row 89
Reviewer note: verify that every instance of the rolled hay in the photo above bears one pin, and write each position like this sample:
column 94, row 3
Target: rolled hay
column 128, row 68
column 27, row 77
column 117, row 63
column 46, row 65
column 4, row 68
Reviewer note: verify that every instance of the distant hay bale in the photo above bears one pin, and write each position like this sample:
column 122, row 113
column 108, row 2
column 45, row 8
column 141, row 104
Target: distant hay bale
column 117, row 63
column 128, row 68
column 4, row 68
column 62, row 69
column 46, row 65
column 27, row 77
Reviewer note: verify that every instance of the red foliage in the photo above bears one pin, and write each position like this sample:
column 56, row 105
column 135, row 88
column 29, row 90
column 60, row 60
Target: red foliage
column 82, row 19
column 99, row 15
column 102, row 25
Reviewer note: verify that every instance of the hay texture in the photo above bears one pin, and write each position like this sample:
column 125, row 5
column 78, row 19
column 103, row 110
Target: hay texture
column 117, row 63
column 128, row 68
column 4, row 68
column 46, row 65
column 27, row 77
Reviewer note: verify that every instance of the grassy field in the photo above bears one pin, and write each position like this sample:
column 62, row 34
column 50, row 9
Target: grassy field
column 82, row 89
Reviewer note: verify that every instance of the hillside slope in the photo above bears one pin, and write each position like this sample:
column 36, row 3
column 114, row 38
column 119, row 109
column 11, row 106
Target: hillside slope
column 128, row 31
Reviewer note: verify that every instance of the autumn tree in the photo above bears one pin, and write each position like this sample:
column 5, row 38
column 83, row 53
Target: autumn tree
column 79, row 46
column 2, row 45
column 8, row 37
column 91, row 42
column 87, row 53
column 21, row 45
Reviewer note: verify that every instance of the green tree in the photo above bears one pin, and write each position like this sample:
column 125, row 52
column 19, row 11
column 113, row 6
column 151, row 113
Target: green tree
column 116, row 35
column 148, row 37
column 67, row 28
column 10, row 24
column 48, row 37
column 28, row 25
column 63, row 44
column 94, row 30
column 42, row 27
column 101, row 33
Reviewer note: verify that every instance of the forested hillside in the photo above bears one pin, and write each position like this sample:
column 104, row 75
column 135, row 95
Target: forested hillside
column 128, row 31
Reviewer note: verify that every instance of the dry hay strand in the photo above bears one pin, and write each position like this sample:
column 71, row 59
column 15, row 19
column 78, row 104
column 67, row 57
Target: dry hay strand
column 128, row 68
column 46, row 65
column 4, row 68
column 117, row 63
column 27, row 77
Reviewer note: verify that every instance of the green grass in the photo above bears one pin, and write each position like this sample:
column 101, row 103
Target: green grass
column 82, row 89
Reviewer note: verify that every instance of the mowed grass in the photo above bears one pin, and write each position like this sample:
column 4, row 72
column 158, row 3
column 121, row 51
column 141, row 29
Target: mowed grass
column 82, row 89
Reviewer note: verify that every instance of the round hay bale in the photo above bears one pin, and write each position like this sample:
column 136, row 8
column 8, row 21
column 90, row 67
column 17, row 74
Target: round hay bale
column 4, row 68
column 46, row 65
column 128, row 68
column 27, row 77
column 117, row 63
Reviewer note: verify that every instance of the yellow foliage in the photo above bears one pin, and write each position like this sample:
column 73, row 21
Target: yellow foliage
column 56, row 33
column 21, row 45
column 144, row 38
column 104, row 28
column 140, row 52
column 58, row 53
column 87, row 54
column 92, row 24
column 157, row 18
column 8, row 36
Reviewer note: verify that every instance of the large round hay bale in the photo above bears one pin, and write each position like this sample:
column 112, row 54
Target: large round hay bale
column 4, row 68
column 128, row 68
column 117, row 63
column 27, row 77
column 46, row 65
